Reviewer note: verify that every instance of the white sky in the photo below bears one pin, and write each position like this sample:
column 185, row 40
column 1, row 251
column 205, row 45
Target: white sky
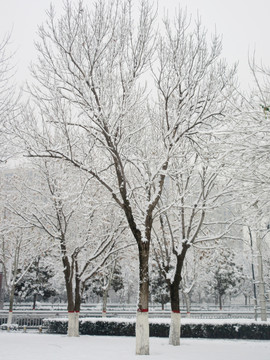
column 244, row 25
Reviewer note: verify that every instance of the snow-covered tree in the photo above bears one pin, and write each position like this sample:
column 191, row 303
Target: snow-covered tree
column 95, row 62
column 36, row 282
column 20, row 243
column 60, row 206
column 248, row 154
column 9, row 98
column 227, row 275
column 158, row 287
column 109, row 278
column 194, row 198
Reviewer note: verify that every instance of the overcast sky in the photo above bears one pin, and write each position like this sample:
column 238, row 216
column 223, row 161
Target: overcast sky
column 244, row 25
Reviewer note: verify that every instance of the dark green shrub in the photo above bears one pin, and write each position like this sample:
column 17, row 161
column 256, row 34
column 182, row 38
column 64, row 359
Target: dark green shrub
column 56, row 326
column 126, row 327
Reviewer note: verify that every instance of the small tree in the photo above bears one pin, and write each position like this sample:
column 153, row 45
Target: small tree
column 107, row 278
column 36, row 282
column 227, row 275
column 158, row 287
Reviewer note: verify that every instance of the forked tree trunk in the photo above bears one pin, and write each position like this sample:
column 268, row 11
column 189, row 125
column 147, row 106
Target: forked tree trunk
column 74, row 302
column 142, row 321
column 175, row 326
column 73, row 312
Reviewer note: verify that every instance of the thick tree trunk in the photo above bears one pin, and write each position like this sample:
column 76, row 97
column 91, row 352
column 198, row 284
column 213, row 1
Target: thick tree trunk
column 74, row 302
column 73, row 313
column 142, row 321
column 175, row 326
column 142, row 333
column 73, row 323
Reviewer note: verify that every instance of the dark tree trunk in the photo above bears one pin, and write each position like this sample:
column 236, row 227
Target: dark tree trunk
column 162, row 303
column 174, row 293
column 73, row 306
column 34, row 301
column 174, row 338
column 220, row 301
column 143, row 278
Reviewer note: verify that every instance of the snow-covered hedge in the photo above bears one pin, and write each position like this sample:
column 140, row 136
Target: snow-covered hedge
column 11, row 327
column 224, row 329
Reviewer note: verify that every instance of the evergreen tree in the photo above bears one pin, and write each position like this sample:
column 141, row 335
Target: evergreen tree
column 159, row 288
column 36, row 283
column 227, row 275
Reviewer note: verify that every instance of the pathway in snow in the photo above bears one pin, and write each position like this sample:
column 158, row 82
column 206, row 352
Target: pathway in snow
column 20, row 346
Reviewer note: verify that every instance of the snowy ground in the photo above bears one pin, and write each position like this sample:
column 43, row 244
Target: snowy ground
column 29, row 346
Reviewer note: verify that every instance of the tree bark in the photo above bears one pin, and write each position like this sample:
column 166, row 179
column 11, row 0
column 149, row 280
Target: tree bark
column 73, row 323
column 262, row 297
column 34, row 301
column 187, row 301
column 220, row 301
column 73, row 313
column 142, row 323
column 175, row 326
column 104, row 302
column 11, row 302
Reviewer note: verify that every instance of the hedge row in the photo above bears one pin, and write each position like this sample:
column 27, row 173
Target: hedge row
column 235, row 330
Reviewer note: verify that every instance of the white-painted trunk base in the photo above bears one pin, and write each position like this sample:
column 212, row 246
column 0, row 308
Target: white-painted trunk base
column 142, row 333
column 9, row 321
column 73, row 323
column 104, row 314
column 175, row 329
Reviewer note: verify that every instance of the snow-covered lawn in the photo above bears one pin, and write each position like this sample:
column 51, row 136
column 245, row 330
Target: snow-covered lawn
column 29, row 346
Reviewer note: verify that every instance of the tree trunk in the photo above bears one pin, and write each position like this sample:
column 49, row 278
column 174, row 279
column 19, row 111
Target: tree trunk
column 1, row 290
column 104, row 302
column 73, row 323
column 34, row 301
column 262, row 297
column 73, row 314
column 187, row 301
column 11, row 302
column 73, row 305
column 162, row 304
column 142, row 321
column 175, row 326
column 220, row 302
